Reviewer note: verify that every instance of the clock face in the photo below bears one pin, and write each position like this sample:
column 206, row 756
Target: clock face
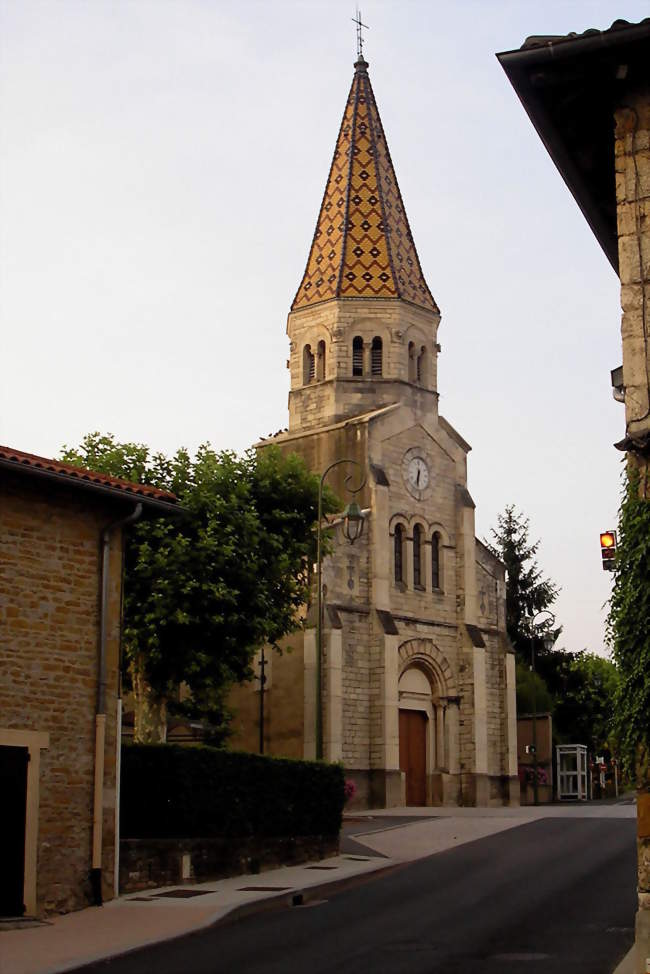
column 418, row 474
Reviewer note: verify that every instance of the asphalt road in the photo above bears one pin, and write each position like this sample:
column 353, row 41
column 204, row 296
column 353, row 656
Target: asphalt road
column 556, row 895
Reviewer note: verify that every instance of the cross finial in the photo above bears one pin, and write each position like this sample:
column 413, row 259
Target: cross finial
column 360, row 28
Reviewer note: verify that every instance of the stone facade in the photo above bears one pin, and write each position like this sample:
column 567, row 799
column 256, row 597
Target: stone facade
column 50, row 618
column 632, row 160
column 632, row 155
column 414, row 612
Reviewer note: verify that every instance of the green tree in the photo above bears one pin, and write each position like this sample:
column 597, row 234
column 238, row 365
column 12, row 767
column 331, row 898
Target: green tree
column 527, row 591
column 583, row 687
column 532, row 692
column 628, row 628
column 203, row 591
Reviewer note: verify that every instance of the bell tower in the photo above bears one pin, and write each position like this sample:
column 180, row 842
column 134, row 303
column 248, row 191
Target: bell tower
column 363, row 324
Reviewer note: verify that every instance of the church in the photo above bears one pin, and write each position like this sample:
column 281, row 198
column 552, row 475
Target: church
column 415, row 691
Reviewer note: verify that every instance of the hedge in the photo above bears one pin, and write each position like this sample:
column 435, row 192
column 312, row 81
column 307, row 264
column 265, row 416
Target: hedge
column 170, row 791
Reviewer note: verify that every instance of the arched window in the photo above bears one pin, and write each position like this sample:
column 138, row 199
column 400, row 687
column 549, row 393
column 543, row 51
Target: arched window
column 376, row 365
column 357, row 355
column 436, row 577
column 422, row 365
column 308, row 365
column 412, row 364
column 320, row 361
column 417, row 556
column 399, row 553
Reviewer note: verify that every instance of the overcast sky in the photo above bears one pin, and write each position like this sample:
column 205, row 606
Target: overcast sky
column 161, row 169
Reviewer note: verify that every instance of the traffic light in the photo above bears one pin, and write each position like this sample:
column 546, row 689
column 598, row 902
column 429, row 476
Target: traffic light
column 608, row 550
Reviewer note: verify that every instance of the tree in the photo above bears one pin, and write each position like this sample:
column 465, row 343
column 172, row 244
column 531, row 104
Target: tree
column 205, row 590
column 527, row 591
column 583, row 687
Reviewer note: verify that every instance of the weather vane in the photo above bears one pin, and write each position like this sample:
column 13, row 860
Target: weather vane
column 360, row 27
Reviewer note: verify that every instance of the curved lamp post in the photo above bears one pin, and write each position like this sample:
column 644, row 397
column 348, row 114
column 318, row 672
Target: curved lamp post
column 353, row 521
column 538, row 629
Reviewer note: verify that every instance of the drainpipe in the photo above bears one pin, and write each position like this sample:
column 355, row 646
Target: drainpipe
column 100, row 715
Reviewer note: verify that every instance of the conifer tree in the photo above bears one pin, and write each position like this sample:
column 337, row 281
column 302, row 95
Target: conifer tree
column 527, row 591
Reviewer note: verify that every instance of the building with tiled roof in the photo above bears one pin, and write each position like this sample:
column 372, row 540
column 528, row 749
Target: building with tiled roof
column 588, row 96
column 56, row 471
column 417, row 695
column 62, row 531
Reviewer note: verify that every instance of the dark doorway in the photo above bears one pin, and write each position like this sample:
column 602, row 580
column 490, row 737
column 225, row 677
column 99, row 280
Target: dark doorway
column 413, row 754
column 13, row 788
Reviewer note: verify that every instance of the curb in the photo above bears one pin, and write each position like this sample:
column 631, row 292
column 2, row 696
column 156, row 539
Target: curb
column 626, row 966
column 284, row 900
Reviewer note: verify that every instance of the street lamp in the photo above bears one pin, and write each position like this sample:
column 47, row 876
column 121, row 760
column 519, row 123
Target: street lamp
column 353, row 521
column 538, row 629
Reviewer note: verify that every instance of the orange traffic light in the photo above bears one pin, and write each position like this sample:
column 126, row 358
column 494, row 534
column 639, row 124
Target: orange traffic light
column 608, row 550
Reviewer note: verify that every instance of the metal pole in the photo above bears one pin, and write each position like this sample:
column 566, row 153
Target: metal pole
column 319, row 627
column 532, row 654
column 262, row 682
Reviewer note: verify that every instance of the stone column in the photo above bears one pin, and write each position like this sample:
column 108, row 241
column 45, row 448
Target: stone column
column 480, row 727
column 511, row 729
column 451, row 793
column 389, row 722
column 440, row 736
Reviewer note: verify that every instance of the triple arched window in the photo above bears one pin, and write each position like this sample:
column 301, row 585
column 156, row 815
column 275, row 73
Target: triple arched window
column 420, row 565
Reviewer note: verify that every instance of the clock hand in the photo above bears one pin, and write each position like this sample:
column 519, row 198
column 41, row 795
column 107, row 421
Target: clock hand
column 417, row 482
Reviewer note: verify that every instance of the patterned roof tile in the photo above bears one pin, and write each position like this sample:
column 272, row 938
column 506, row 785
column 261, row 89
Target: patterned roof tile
column 362, row 245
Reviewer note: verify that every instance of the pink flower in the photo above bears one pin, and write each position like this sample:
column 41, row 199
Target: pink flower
column 349, row 789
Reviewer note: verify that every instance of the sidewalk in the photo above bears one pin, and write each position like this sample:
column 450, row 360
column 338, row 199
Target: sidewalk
column 66, row 942
column 139, row 919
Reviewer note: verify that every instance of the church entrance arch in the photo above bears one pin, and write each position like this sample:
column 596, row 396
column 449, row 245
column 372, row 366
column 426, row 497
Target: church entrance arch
column 425, row 684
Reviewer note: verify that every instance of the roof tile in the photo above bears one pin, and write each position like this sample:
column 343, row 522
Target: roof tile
column 21, row 459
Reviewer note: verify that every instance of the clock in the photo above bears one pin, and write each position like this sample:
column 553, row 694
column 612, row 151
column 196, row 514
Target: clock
column 415, row 471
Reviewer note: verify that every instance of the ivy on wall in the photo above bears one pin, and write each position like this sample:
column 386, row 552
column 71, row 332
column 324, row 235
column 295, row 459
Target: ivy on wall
column 628, row 627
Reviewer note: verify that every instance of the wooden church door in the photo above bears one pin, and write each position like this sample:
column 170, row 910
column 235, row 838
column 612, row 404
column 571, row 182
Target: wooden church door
column 413, row 754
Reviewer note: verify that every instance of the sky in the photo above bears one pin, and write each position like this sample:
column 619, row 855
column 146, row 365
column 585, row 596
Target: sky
column 162, row 164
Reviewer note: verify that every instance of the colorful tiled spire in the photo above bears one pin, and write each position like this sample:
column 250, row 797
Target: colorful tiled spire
column 362, row 247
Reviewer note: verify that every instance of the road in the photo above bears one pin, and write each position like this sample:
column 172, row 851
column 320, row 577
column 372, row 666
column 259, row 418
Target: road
column 555, row 895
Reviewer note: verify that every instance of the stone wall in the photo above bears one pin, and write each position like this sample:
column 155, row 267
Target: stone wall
column 150, row 863
column 338, row 393
column 49, row 634
column 632, row 154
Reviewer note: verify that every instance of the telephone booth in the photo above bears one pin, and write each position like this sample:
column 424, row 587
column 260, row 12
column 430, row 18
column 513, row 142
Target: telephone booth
column 571, row 763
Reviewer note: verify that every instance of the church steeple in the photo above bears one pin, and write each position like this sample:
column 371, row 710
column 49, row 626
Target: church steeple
column 362, row 246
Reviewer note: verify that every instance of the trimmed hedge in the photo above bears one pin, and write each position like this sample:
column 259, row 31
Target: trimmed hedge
column 169, row 791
